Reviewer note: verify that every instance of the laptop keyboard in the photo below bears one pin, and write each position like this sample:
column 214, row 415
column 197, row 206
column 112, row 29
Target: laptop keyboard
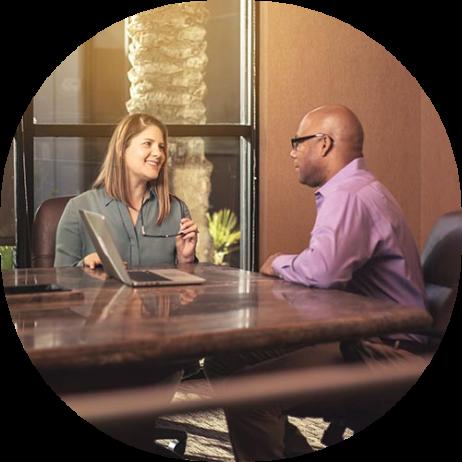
column 142, row 276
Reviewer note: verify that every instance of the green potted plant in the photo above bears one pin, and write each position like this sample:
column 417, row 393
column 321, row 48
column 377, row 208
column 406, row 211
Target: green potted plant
column 222, row 228
column 7, row 256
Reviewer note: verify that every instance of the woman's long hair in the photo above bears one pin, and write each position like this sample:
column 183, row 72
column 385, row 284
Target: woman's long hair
column 113, row 175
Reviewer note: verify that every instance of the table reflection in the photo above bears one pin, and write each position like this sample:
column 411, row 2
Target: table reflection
column 318, row 304
column 127, row 304
column 42, row 329
column 234, row 310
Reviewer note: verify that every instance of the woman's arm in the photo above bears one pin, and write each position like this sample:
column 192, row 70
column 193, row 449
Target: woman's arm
column 68, row 250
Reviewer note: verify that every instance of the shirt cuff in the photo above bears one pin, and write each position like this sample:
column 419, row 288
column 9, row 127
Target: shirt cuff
column 282, row 262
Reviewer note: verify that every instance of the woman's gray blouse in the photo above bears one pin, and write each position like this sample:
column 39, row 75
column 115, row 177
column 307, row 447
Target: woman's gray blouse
column 73, row 243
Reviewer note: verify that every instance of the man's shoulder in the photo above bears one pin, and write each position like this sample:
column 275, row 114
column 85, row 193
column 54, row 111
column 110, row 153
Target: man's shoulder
column 354, row 185
column 364, row 185
column 363, row 194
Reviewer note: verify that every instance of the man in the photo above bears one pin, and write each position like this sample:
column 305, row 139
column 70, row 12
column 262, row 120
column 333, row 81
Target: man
column 360, row 243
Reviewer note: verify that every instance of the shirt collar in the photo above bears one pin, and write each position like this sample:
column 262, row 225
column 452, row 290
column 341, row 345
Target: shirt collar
column 350, row 169
column 152, row 193
column 108, row 199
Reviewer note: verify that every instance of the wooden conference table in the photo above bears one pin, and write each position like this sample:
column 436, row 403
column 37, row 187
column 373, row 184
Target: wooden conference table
column 118, row 332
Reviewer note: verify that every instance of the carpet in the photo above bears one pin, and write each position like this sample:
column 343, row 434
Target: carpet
column 207, row 430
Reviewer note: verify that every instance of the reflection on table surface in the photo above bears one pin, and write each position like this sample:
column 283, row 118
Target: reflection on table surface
column 233, row 310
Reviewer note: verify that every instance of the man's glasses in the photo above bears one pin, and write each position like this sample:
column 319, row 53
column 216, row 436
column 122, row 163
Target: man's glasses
column 295, row 142
column 144, row 233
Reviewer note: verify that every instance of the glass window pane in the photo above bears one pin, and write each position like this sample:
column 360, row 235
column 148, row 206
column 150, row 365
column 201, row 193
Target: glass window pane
column 180, row 62
column 65, row 166
column 204, row 172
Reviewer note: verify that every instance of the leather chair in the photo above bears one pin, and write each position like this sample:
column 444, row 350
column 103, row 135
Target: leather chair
column 441, row 264
column 43, row 255
column 441, row 270
column 44, row 231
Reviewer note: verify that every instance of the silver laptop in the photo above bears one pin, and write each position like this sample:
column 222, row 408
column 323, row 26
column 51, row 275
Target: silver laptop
column 113, row 265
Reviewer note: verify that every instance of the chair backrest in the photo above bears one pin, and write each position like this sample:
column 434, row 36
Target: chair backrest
column 441, row 267
column 44, row 231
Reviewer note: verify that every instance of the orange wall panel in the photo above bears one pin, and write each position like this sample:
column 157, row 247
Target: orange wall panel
column 307, row 59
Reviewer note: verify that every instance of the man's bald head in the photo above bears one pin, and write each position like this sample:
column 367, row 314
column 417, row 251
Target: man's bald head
column 331, row 137
column 340, row 123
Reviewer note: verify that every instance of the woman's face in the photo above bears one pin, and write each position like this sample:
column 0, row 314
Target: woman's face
column 145, row 155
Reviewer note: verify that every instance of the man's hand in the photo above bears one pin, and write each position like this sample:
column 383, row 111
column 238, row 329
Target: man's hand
column 267, row 268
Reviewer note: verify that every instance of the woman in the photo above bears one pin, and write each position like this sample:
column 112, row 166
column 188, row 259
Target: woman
column 132, row 192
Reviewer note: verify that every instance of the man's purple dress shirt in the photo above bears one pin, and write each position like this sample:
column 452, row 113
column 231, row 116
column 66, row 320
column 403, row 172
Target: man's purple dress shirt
column 360, row 242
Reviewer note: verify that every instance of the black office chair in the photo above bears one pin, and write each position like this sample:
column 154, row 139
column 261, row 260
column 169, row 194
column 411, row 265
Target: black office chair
column 441, row 270
column 441, row 263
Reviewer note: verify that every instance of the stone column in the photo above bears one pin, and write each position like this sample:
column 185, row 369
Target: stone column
column 167, row 52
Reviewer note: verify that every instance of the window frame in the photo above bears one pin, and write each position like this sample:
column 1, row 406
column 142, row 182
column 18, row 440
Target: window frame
column 27, row 131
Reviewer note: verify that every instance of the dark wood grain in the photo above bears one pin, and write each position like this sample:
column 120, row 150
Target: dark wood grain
column 116, row 325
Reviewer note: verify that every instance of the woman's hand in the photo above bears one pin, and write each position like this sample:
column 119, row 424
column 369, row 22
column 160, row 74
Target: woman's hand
column 186, row 243
column 92, row 260
column 188, row 295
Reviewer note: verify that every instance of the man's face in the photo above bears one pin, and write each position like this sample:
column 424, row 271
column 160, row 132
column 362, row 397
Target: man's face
column 308, row 156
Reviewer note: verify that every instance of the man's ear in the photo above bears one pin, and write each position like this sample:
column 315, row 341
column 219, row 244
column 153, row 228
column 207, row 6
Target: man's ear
column 327, row 145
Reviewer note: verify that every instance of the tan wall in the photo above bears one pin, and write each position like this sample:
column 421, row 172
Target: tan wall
column 440, row 184
column 308, row 59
